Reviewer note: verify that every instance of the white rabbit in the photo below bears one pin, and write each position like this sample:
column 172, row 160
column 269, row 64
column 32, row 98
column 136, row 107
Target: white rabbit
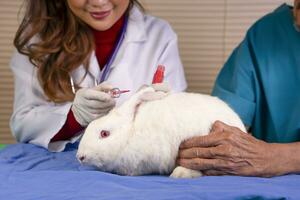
column 141, row 137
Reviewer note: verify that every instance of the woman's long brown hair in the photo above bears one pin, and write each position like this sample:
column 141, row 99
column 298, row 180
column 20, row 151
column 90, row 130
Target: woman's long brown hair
column 56, row 42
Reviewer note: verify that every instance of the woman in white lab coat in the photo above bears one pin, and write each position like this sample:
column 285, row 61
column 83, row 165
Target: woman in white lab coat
column 66, row 49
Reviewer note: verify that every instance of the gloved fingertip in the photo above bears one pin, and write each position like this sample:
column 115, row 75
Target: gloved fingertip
column 105, row 86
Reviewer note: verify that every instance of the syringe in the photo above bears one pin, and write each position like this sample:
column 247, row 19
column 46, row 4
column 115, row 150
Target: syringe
column 116, row 92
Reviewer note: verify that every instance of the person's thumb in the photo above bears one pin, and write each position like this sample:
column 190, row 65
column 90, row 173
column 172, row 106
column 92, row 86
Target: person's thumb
column 104, row 87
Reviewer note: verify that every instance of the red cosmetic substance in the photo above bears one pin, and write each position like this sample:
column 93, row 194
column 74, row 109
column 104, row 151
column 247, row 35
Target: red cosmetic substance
column 159, row 74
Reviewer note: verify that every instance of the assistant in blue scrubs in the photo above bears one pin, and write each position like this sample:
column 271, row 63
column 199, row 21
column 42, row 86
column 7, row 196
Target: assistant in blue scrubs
column 261, row 82
column 261, row 79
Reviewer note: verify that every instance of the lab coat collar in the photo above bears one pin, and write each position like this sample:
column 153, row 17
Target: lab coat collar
column 136, row 31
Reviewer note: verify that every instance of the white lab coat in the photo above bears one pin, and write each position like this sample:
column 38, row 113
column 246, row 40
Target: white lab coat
column 148, row 42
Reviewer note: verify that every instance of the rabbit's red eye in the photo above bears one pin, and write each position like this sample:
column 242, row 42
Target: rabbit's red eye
column 104, row 134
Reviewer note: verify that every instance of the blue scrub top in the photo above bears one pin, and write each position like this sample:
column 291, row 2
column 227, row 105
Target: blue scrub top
column 261, row 79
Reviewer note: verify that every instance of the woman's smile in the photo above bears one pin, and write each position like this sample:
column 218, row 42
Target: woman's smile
column 100, row 15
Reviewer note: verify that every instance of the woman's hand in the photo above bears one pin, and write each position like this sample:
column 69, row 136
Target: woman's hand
column 92, row 103
column 229, row 151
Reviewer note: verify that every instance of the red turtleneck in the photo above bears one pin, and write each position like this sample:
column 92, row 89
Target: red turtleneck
column 105, row 42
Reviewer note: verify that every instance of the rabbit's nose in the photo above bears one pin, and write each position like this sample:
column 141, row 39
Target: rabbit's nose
column 81, row 158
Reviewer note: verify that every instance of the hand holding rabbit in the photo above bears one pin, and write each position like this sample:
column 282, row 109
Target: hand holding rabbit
column 229, row 151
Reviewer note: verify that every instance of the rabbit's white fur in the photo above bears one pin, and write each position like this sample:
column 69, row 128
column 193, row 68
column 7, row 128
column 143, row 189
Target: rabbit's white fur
column 145, row 136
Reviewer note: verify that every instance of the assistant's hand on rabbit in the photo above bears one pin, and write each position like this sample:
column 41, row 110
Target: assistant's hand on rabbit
column 92, row 103
column 229, row 151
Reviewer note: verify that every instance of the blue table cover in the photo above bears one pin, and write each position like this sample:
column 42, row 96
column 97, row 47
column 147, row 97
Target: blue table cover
column 28, row 172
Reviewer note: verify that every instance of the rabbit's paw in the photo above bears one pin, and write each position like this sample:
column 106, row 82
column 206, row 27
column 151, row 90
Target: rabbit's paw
column 181, row 172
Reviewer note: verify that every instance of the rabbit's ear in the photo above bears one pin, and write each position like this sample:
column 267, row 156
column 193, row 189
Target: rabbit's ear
column 130, row 107
column 153, row 95
column 161, row 90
